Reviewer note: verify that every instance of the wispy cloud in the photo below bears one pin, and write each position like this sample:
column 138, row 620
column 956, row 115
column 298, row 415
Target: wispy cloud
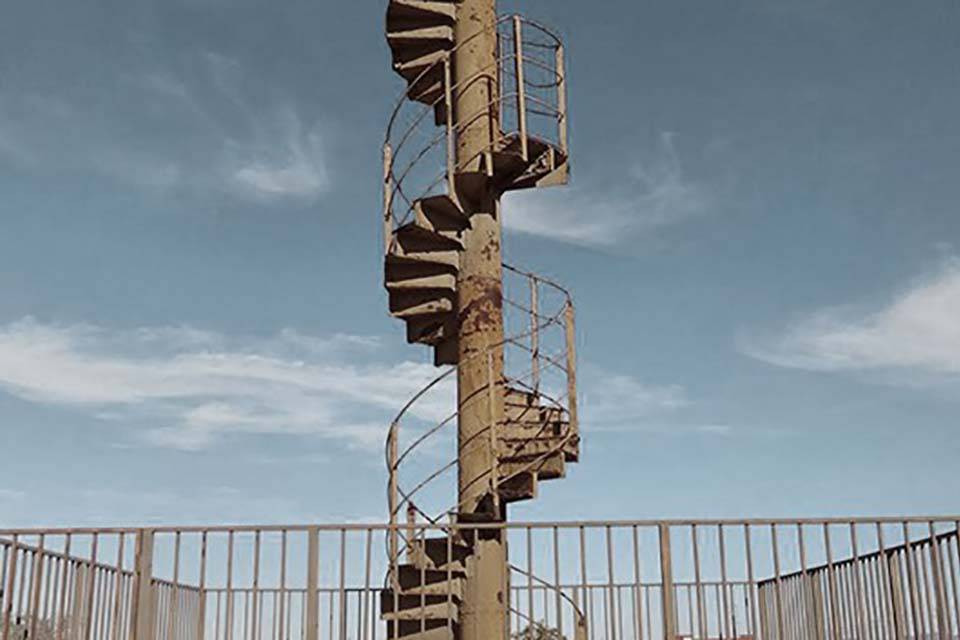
column 652, row 195
column 916, row 332
column 619, row 403
column 11, row 495
column 613, row 401
column 186, row 388
column 196, row 132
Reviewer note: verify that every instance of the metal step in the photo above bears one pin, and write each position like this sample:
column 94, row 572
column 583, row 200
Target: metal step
column 428, row 630
column 435, row 11
column 400, row 255
column 414, row 237
column 441, row 214
column 398, row 607
column 443, row 281
column 544, row 165
column 424, row 302
column 430, row 330
column 547, row 468
column 519, row 488
column 438, row 553
column 416, row 581
column 447, row 351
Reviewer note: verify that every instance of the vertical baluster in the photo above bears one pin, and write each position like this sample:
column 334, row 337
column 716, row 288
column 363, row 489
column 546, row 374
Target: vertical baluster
column 11, row 567
column 521, row 86
column 637, row 579
column 698, row 582
column 535, row 334
column 202, row 589
column 751, row 583
column 313, row 575
column 562, row 101
column 387, row 197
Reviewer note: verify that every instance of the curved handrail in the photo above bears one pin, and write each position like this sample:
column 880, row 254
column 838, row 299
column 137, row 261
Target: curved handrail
column 503, row 101
column 400, row 165
column 557, row 43
column 580, row 618
column 400, row 497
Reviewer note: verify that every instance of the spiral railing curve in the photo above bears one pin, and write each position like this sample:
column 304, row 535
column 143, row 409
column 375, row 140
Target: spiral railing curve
column 528, row 88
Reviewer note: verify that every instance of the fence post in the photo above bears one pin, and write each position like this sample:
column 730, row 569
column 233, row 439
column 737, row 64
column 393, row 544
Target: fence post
column 202, row 590
column 666, row 579
column 313, row 596
column 144, row 603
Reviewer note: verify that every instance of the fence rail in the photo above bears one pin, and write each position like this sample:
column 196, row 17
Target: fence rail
column 768, row 579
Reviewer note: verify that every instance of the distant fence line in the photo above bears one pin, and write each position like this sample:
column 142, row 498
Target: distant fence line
column 830, row 579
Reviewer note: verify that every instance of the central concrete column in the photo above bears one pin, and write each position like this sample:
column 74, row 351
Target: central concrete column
column 483, row 614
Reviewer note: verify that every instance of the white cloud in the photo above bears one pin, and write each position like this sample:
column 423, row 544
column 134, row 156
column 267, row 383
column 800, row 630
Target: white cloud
column 283, row 160
column 916, row 332
column 187, row 388
column 613, row 402
column 161, row 132
column 11, row 495
column 654, row 195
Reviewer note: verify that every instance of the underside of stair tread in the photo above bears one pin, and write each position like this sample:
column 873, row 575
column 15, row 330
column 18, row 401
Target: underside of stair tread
column 441, row 553
column 415, row 237
column 422, row 10
column 522, row 486
column 416, row 581
column 430, row 330
column 442, row 214
column 527, row 448
column 546, row 468
column 545, row 164
column 420, row 33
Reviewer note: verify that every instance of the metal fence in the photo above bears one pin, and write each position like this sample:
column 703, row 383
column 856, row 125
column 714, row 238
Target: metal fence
column 781, row 579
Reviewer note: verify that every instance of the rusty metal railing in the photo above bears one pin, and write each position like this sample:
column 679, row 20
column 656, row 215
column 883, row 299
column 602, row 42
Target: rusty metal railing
column 530, row 99
column 540, row 358
column 864, row 578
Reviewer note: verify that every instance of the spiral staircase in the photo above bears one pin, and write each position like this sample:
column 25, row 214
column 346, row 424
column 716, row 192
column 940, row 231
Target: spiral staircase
column 424, row 227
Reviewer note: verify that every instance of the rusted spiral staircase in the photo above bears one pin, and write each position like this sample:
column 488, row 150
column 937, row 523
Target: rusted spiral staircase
column 424, row 228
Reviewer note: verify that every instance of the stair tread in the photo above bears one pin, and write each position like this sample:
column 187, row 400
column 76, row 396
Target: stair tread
column 415, row 67
column 429, row 329
column 428, row 307
column 396, row 606
column 398, row 255
column 441, row 213
column 414, row 630
column 546, row 468
column 414, row 231
column 445, row 281
column 406, row 34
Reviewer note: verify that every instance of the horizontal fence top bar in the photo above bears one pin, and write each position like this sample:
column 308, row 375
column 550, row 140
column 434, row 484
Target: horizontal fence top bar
column 569, row 524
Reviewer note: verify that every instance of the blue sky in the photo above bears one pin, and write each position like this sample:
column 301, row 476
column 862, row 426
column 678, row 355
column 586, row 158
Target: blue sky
column 761, row 235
